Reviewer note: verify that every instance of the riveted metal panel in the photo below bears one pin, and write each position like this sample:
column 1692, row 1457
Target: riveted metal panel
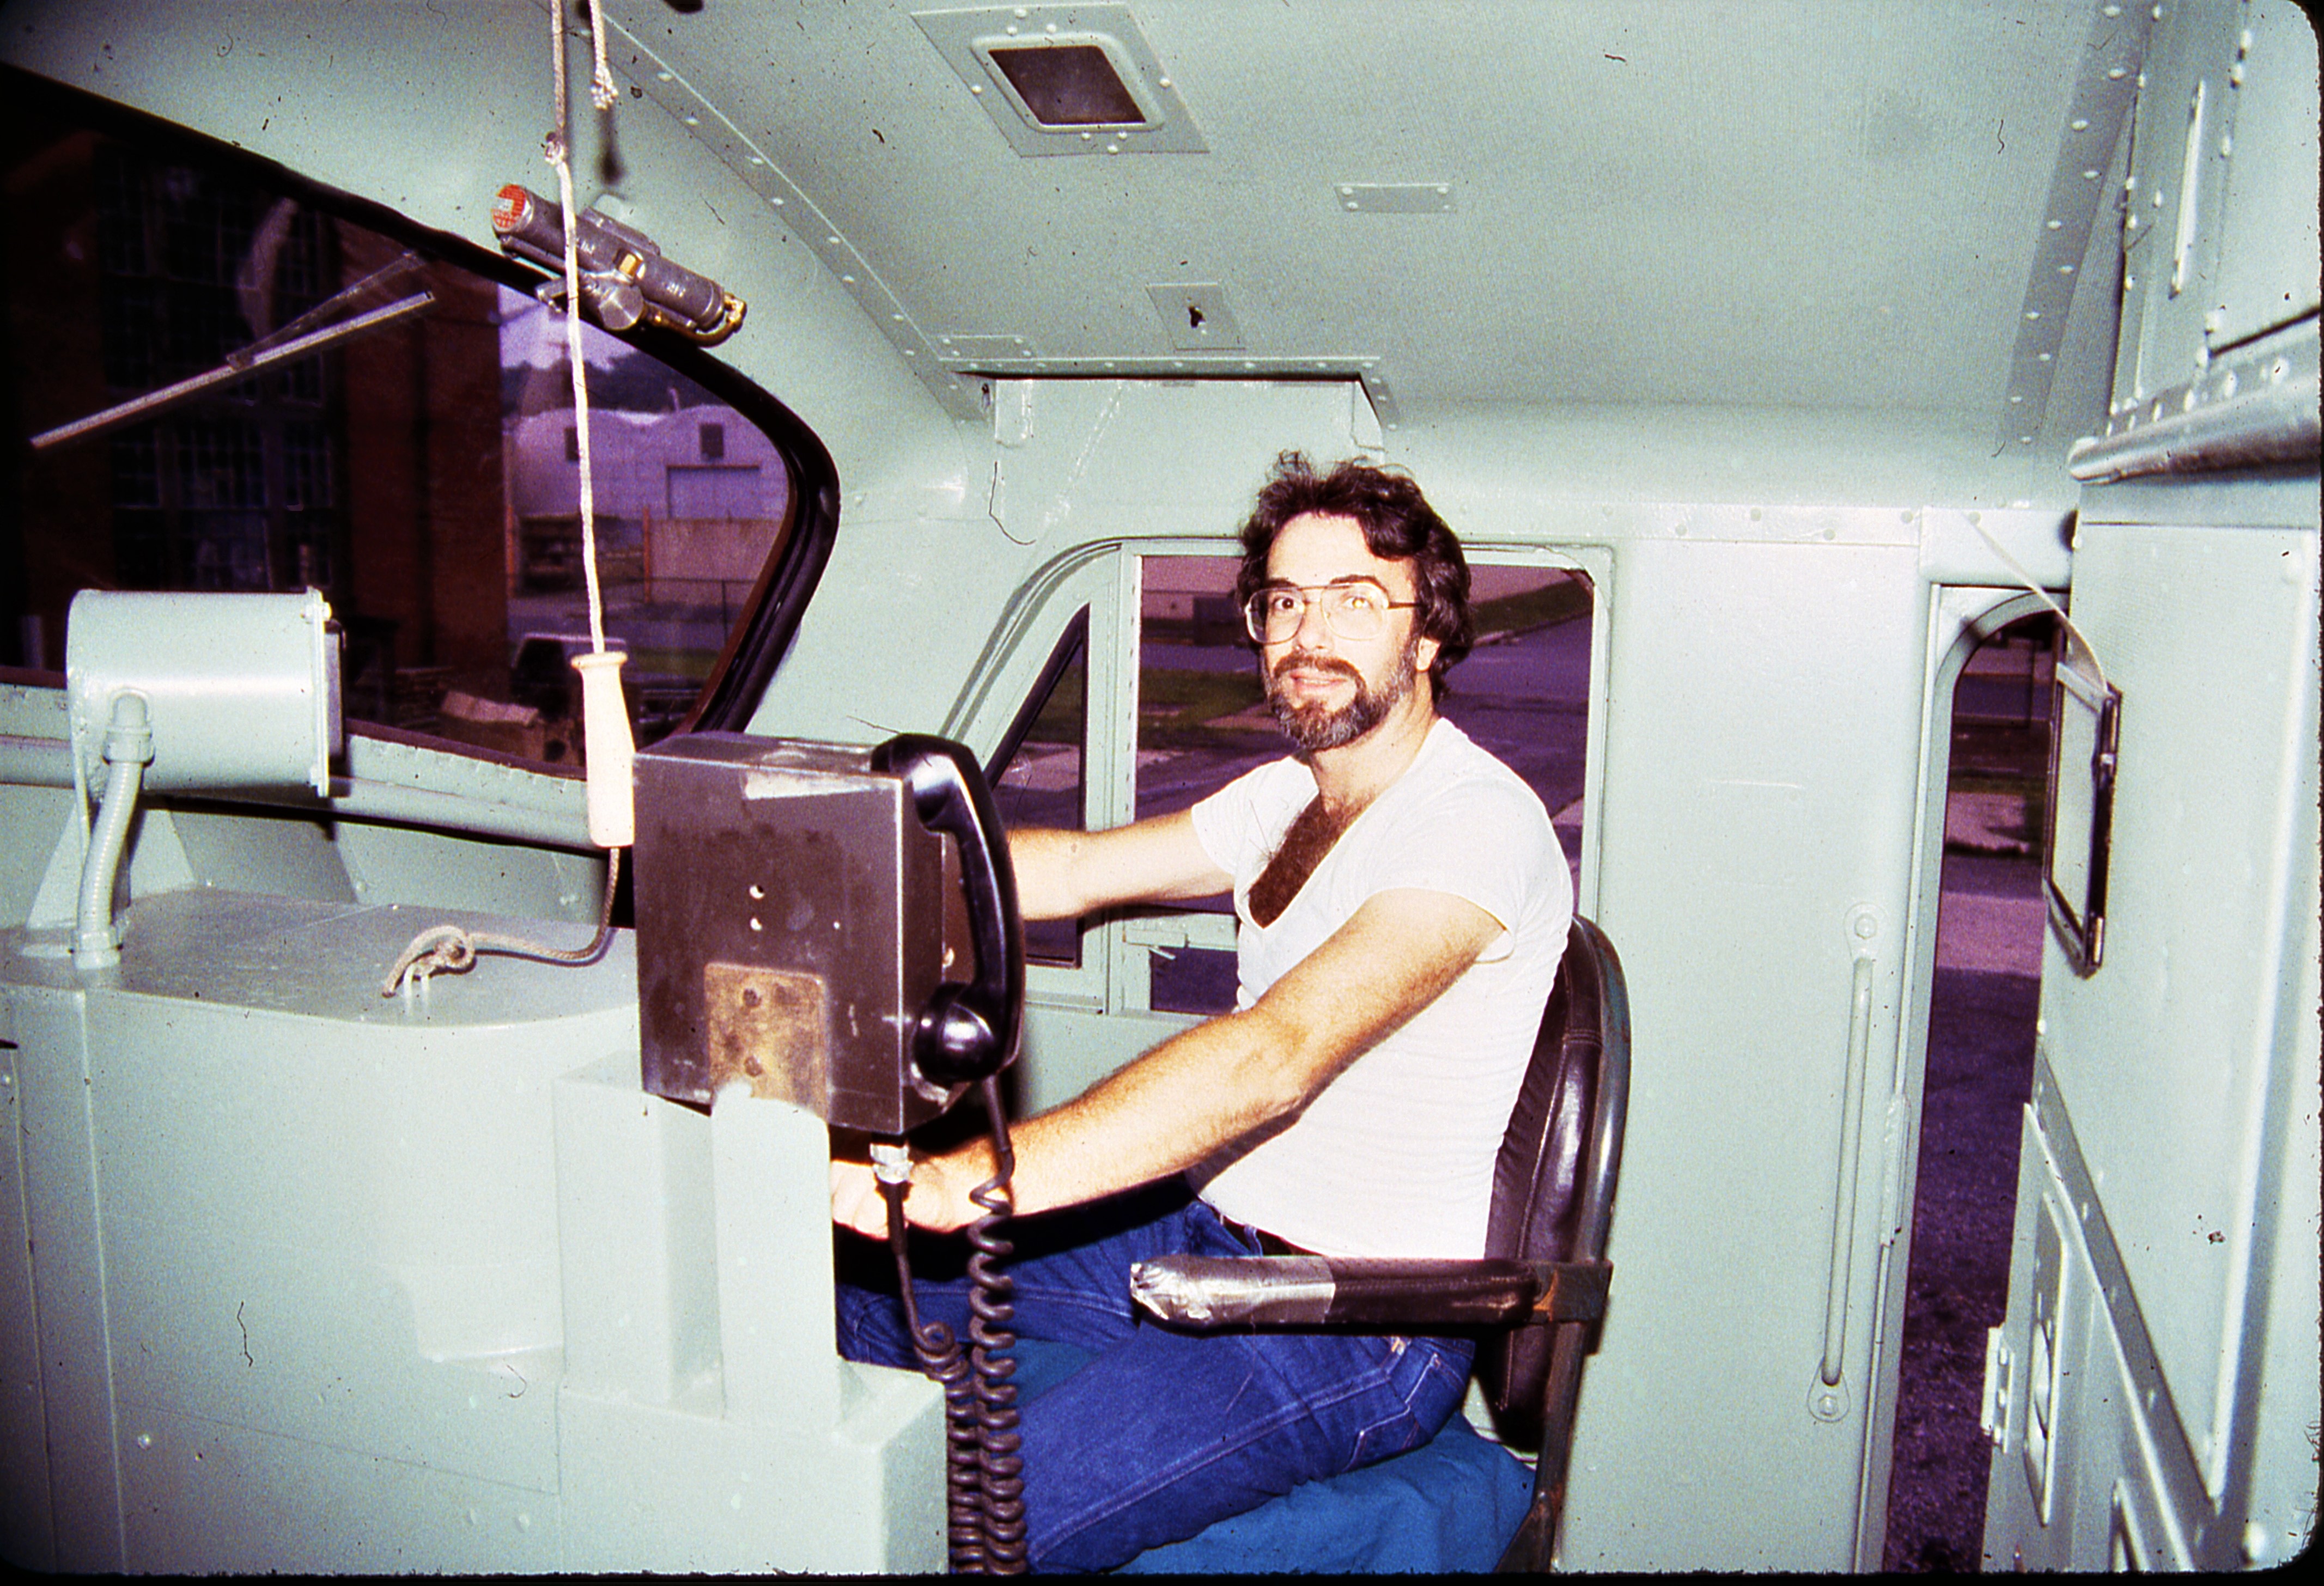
column 2104, row 85
column 2269, row 207
column 2173, row 202
column 2174, row 1058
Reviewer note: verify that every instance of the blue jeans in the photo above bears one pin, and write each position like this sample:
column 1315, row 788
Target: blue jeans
column 1163, row 1432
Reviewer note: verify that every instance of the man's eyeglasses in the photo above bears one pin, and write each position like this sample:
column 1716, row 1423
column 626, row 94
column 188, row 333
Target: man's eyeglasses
column 1355, row 611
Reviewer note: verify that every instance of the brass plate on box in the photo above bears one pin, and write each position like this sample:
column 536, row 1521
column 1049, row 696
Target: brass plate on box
column 766, row 1027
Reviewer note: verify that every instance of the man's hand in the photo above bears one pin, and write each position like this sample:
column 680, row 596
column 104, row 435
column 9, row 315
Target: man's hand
column 1212, row 1083
column 938, row 1198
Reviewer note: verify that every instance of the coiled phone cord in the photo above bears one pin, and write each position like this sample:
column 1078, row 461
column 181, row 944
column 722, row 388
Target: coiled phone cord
column 984, row 1483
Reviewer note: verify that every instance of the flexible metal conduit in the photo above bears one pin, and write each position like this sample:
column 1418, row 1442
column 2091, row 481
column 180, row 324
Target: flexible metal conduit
column 128, row 751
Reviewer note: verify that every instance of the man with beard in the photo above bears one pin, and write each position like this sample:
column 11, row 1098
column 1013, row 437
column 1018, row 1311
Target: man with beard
column 1402, row 903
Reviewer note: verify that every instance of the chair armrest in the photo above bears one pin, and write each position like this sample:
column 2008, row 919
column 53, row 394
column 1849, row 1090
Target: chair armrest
column 1415, row 1296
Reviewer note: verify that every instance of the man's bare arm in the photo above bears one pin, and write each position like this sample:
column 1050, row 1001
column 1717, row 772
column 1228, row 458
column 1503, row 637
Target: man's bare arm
column 1064, row 875
column 1218, row 1081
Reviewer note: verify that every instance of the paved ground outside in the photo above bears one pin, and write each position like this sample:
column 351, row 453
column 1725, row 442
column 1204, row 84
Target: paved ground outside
column 1980, row 1072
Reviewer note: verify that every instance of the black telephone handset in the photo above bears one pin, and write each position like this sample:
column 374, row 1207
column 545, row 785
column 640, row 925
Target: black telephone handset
column 966, row 1032
column 965, row 1035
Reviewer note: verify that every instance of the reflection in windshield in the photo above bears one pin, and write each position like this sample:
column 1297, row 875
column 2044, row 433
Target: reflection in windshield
column 690, row 499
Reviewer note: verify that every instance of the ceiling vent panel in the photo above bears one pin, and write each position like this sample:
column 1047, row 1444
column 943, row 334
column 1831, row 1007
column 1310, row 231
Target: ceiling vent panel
column 1065, row 79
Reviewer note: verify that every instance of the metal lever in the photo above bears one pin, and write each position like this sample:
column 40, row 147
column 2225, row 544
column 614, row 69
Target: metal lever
column 1308, row 1291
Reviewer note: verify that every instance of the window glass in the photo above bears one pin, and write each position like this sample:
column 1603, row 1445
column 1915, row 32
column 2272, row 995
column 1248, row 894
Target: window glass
column 1202, row 722
column 424, row 477
column 1043, row 781
column 691, row 499
column 1202, row 716
column 1523, row 694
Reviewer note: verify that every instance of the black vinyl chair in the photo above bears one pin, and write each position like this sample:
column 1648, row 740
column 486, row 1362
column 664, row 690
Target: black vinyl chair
column 1540, row 1288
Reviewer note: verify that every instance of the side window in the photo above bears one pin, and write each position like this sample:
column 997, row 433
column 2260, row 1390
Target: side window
column 1202, row 722
column 424, row 477
column 1524, row 691
column 1202, row 715
column 1043, row 780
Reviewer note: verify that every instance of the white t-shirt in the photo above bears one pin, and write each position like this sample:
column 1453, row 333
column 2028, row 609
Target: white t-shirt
column 1394, row 1157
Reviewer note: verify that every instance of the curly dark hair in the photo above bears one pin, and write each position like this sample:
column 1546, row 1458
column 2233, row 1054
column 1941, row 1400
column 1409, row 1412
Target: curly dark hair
column 1399, row 525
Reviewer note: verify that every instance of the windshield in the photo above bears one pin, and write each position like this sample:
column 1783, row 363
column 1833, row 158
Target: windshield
column 420, row 465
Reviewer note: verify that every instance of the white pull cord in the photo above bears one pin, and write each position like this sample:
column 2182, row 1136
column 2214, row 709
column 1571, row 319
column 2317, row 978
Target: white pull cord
column 2042, row 594
column 557, row 149
column 600, row 79
column 604, row 718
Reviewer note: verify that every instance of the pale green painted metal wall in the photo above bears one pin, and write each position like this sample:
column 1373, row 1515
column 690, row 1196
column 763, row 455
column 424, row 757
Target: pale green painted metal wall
column 2162, row 1334
column 1778, row 595
column 304, row 1256
column 2153, row 1390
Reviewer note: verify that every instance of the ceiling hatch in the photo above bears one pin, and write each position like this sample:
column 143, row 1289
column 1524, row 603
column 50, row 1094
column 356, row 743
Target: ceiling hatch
column 1065, row 79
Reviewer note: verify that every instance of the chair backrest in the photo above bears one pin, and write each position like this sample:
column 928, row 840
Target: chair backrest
column 1553, row 1180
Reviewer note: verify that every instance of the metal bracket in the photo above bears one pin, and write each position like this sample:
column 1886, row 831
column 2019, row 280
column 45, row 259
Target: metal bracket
column 2081, row 922
column 766, row 1030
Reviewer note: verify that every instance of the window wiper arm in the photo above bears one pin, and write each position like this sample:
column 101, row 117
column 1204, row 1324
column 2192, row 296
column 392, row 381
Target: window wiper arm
column 248, row 361
column 329, row 308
